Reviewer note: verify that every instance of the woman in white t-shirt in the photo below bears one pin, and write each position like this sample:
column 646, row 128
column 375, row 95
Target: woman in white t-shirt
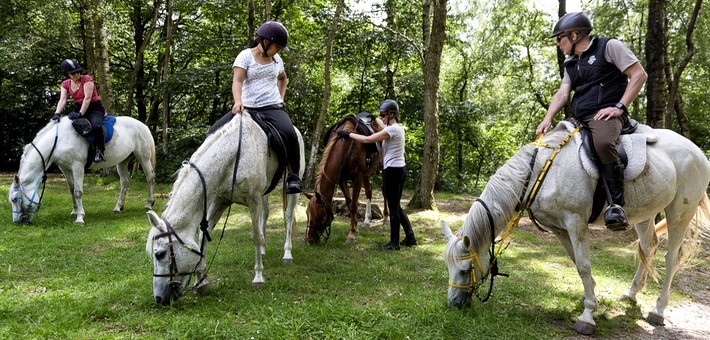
column 259, row 85
column 394, row 173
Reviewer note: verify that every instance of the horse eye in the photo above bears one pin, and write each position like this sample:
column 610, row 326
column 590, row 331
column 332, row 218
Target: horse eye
column 465, row 272
column 160, row 255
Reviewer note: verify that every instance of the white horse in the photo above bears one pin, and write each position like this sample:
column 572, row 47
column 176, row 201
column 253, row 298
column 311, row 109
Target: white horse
column 60, row 144
column 205, row 187
column 674, row 180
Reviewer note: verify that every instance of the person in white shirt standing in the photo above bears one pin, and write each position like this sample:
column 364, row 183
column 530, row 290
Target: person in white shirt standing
column 394, row 173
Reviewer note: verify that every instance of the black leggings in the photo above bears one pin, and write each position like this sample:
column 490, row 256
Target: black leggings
column 95, row 114
column 393, row 184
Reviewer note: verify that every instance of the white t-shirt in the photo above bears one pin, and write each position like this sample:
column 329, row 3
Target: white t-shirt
column 260, row 84
column 394, row 147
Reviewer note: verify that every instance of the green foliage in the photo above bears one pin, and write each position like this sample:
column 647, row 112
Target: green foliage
column 499, row 70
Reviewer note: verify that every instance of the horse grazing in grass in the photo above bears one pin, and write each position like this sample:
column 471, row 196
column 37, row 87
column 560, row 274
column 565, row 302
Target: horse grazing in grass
column 233, row 165
column 674, row 180
column 58, row 143
column 343, row 161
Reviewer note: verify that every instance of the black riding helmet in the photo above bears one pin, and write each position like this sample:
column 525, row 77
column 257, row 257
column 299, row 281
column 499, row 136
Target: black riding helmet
column 570, row 22
column 70, row 66
column 389, row 105
column 275, row 33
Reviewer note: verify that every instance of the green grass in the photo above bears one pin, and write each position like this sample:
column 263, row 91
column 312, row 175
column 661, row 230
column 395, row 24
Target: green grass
column 60, row 280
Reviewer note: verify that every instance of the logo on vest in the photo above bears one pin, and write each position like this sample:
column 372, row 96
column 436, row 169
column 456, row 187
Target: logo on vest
column 592, row 59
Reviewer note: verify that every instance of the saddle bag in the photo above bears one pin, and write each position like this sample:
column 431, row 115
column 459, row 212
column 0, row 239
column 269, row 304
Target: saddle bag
column 82, row 126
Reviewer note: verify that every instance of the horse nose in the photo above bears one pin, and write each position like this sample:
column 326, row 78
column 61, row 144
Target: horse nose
column 162, row 301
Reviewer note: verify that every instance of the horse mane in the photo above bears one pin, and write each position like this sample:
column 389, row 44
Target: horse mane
column 501, row 195
column 329, row 148
column 207, row 146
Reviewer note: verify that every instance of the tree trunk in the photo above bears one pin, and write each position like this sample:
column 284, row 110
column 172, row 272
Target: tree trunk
column 423, row 197
column 315, row 140
column 251, row 20
column 674, row 86
column 141, row 38
column 102, row 68
column 656, row 51
column 166, row 72
column 561, row 11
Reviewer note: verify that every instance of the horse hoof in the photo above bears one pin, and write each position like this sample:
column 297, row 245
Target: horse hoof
column 584, row 328
column 365, row 226
column 257, row 285
column 79, row 222
column 287, row 262
column 655, row 319
column 627, row 298
column 203, row 288
column 350, row 240
column 116, row 211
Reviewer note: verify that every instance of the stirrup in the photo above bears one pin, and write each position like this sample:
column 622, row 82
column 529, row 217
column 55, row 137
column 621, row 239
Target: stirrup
column 99, row 157
column 615, row 218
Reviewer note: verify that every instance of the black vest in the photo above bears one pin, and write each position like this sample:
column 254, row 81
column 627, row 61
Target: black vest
column 596, row 82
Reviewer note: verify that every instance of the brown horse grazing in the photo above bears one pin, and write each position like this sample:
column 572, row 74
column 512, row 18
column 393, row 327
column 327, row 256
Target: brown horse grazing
column 344, row 160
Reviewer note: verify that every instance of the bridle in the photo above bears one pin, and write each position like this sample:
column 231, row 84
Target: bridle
column 42, row 181
column 522, row 206
column 175, row 285
column 174, row 272
column 473, row 283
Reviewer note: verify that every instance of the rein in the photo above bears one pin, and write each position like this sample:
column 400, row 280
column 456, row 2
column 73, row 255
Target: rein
column 204, row 227
column 514, row 221
column 43, row 181
column 493, row 271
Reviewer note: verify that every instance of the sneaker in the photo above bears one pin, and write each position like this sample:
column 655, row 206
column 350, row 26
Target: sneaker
column 99, row 157
column 407, row 242
column 391, row 246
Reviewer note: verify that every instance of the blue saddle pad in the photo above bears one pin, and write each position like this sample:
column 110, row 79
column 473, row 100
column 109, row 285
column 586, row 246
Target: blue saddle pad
column 109, row 121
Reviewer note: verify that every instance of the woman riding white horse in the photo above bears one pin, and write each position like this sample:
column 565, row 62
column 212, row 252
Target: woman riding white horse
column 58, row 143
column 674, row 180
column 223, row 170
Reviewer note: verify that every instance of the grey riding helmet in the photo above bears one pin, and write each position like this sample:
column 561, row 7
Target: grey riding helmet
column 389, row 105
column 570, row 22
column 70, row 66
column 275, row 32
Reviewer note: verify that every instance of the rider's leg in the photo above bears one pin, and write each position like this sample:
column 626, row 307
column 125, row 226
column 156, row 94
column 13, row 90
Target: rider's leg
column 96, row 118
column 282, row 123
column 605, row 134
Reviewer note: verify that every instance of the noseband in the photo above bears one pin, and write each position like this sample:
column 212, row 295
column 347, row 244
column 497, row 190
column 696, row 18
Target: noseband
column 42, row 181
column 174, row 271
column 473, row 283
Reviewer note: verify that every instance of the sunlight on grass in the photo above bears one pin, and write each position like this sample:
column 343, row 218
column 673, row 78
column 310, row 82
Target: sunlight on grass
column 58, row 280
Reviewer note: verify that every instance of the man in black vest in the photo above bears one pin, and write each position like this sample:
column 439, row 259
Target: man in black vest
column 606, row 77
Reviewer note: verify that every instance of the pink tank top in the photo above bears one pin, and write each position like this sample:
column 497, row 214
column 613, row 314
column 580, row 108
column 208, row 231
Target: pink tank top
column 78, row 95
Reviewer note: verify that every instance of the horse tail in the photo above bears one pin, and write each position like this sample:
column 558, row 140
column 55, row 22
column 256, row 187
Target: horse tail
column 699, row 230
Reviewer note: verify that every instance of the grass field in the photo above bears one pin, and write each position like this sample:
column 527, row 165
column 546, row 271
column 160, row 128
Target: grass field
column 93, row 281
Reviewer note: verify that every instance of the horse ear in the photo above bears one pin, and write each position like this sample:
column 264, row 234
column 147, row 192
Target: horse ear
column 447, row 231
column 16, row 180
column 155, row 221
column 308, row 194
column 467, row 242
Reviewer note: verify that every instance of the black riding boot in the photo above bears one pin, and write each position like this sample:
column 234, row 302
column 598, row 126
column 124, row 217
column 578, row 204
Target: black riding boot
column 615, row 216
column 99, row 145
column 293, row 184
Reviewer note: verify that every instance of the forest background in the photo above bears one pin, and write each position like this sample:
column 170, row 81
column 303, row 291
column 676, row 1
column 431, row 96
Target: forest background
column 473, row 77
